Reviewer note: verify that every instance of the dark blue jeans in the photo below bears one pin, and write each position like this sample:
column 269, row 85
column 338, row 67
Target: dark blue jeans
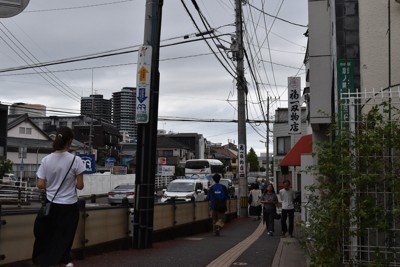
column 285, row 215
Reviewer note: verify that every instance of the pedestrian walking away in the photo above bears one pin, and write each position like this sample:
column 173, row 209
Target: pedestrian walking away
column 269, row 200
column 287, row 197
column 60, row 174
column 255, row 206
column 218, row 195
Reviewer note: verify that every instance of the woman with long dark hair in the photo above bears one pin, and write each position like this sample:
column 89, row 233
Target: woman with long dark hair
column 60, row 174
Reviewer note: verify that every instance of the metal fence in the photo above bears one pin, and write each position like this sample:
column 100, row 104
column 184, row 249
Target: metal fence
column 379, row 241
column 19, row 194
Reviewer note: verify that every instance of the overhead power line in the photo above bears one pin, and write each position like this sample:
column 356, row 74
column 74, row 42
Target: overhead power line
column 105, row 66
column 77, row 7
column 94, row 56
column 275, row 17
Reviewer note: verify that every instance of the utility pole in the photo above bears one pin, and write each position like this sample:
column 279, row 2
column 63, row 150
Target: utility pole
column 267, row 145
column 91, row 120
column 147, row 104
column 242, row 90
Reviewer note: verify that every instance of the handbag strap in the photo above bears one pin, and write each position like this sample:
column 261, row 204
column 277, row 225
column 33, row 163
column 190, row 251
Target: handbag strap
column 63, row 179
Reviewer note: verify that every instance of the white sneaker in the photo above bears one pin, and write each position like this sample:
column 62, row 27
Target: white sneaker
column 69, row 265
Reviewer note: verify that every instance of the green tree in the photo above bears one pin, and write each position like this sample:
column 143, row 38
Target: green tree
column 252, row 159
column 102, row 154
column 5, row 167
column 357, row 193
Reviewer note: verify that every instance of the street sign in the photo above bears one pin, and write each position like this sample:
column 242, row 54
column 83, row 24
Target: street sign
column 89, row 162
column 294, row 105
column 143, row 84
column 242, row 160
column 345, row 85
column 109, row 162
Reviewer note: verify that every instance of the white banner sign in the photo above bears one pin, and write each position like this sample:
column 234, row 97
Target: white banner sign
column 143, row 84
column 242, row 160
column 294, row 107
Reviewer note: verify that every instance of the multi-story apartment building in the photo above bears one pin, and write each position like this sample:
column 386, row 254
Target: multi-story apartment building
column 95, row 106
column 124, row 112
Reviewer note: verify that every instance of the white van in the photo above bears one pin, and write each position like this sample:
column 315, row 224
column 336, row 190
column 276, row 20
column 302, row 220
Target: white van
column 184, row 190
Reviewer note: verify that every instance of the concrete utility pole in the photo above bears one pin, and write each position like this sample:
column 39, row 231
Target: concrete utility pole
column 242, row 90
column 147, row 132
column 267, row 145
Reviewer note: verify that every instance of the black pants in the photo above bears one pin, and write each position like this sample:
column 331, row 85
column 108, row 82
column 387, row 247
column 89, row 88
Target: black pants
column 268, row 217
column 55, row 234
column 285, row 215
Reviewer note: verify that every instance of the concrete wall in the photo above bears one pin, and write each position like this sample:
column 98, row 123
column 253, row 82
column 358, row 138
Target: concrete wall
column 320, row 61
column 103, row 183
column 374, row 46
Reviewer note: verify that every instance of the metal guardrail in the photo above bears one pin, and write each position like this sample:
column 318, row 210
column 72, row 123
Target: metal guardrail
column 16, row 227
column 21, row 195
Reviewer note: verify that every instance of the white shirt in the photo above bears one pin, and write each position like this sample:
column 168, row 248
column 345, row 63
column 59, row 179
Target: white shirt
column 53, row 169
column 287, row 197
column 255, row 197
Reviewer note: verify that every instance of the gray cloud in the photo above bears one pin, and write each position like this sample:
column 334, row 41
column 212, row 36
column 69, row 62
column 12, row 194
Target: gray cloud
column 190, row 86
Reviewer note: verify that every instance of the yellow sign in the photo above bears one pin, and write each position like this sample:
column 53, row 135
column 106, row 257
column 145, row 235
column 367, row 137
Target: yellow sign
column 142, row 74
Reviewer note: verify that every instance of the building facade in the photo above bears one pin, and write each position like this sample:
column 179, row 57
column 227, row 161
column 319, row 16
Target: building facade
column 124, row 113
column 352, row 65
column 30, row 109
column 95, row 106
column 283, row 143
column 3, row 131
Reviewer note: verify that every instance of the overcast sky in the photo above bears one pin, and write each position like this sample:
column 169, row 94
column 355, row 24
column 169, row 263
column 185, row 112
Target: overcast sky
column 193, row 83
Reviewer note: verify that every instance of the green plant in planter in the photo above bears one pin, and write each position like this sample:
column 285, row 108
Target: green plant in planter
column 355, row 200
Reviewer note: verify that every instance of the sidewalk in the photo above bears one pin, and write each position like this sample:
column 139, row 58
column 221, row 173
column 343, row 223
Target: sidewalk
column 243, row 241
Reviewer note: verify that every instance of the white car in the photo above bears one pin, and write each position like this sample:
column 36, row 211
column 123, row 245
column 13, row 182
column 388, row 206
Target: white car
column 120, row 192
column 184, row 190
column 9, row 178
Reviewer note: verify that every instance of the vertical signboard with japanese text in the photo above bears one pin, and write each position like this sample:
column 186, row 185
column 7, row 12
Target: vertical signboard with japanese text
column 143, row 84
column 294, row 105
column 345, row 84
column 242, row 160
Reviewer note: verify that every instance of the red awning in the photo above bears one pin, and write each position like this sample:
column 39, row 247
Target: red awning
column 302, row 146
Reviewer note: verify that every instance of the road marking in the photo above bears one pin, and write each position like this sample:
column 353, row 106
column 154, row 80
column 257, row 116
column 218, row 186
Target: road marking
column 226, row 259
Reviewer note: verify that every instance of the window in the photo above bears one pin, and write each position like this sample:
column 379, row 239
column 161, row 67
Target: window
column 283, row 145
column 165, row 153
column 46, row 126
column 23, row 130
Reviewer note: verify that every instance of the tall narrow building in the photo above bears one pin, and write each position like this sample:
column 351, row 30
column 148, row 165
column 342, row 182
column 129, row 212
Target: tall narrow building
column 124, row 113
column 95, row 106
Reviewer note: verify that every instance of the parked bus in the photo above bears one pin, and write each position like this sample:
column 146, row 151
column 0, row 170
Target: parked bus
column 203, row 169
